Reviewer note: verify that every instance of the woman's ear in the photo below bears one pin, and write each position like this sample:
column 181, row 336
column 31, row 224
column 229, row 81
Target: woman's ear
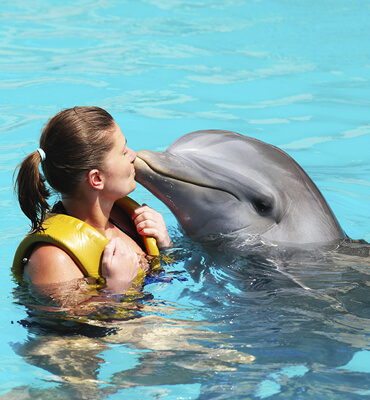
column 95, row 179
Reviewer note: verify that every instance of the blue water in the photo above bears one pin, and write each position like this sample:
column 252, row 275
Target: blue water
column 295, row 74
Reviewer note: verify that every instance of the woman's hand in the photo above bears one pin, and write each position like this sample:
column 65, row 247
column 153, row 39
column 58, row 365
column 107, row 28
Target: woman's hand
column 151, row 223
column 120, row 265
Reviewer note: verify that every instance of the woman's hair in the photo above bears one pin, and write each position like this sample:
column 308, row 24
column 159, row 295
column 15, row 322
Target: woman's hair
column 75, row 141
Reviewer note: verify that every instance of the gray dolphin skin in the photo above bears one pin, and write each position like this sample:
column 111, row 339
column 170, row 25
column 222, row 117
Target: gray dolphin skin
column 221, row 182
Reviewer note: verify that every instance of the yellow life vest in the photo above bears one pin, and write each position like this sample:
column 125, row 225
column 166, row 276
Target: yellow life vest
column 83, row 243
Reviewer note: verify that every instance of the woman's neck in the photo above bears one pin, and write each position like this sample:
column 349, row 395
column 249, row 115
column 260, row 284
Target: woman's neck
column 92, row 210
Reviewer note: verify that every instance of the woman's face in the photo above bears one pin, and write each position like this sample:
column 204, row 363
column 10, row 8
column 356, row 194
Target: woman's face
column 119, row 172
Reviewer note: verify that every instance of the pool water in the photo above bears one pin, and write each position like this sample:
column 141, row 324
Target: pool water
column 295, row 74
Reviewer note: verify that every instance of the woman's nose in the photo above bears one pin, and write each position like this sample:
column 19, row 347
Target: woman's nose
column 132, row 155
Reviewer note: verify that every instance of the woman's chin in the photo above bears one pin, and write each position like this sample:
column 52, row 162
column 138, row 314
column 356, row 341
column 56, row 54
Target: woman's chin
column 133, row 187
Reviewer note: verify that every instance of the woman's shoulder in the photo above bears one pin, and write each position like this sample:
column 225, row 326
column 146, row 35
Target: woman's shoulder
column 51, row 264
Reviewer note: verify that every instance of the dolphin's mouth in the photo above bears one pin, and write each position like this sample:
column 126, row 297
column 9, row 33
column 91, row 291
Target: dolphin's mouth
column 174, row 168
column 195, row 203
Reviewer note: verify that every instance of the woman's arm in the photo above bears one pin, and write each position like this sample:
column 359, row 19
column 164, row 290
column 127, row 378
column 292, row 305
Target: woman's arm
column 49, row 264
column 56, row 279
column 120, row 265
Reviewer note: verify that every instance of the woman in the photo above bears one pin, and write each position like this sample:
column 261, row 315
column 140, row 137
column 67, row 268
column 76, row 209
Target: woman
column 84, row 157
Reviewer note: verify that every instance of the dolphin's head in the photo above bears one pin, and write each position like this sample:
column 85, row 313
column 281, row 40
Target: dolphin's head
column 220, row 182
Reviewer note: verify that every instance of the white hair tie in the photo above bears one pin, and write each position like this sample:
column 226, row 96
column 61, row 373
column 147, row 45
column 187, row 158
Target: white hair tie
column 42, row 154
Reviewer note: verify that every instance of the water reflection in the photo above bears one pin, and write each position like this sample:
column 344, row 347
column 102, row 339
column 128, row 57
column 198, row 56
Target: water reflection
column 282, row 322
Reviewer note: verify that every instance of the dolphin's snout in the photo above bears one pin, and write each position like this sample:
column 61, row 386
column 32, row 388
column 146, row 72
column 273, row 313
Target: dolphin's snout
column 171, row 166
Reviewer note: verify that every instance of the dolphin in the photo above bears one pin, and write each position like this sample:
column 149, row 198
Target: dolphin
column 219, row 182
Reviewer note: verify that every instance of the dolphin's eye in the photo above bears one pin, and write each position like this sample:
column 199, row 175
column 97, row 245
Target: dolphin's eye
column 263, row 206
